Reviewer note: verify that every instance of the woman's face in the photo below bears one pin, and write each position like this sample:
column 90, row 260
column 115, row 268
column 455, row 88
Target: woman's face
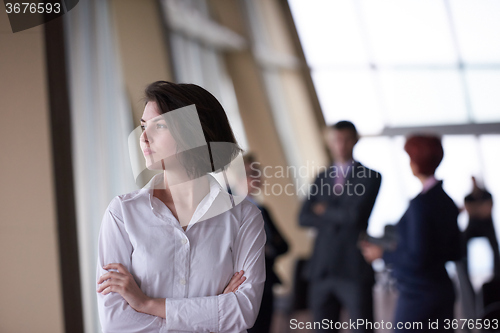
column 157, row 143
column 253, row 180
column 414, row 168
column 341, row 144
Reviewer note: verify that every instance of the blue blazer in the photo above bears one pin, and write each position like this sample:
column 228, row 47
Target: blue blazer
column 428, row 238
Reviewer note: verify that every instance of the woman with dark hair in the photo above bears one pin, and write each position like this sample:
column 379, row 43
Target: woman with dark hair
column 428, row 237
column 168, row 253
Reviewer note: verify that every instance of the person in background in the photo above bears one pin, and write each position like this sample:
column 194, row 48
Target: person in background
column 478, row 205
column 428, row 237
column 276, row 245
column 339, row 205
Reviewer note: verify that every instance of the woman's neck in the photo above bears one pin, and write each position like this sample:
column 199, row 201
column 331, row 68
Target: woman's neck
column 188, row 193
column 182, row 198
column 427, row 181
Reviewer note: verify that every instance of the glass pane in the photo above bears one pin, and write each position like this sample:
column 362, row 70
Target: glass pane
column 480, row 262
column 461, row 161
column 329, row 32
column 477, row 24
column 423, row 97
column 349, row 95
column 490, row 153
column 386, row 155
column 484, row 88
column 409, row 185
column 409, row 32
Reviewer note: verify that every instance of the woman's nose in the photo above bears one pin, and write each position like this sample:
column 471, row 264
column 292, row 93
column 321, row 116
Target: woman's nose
column 144, row 137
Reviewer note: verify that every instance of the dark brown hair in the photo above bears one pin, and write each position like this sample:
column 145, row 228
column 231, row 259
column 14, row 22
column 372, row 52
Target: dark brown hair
column 213, row 119
column 345, row 125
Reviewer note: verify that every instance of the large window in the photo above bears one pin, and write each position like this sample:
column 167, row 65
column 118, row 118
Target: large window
column 397, row 66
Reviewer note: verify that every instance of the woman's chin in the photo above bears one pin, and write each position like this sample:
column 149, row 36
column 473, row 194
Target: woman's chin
column 154, row 166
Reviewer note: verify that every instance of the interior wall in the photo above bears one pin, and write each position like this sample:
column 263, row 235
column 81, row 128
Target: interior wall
column 30, row 286
column 263, row 138
column 300, row 103
column 142, row 47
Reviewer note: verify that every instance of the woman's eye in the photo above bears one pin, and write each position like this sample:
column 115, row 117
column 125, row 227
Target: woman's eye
column 143, row 127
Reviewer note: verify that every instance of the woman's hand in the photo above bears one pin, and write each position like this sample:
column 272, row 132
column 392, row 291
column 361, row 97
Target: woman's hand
column 235, row 282
column 122, row 282
column 371, row 251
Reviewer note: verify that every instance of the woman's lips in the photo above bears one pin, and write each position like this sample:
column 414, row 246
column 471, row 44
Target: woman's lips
column 147, row 151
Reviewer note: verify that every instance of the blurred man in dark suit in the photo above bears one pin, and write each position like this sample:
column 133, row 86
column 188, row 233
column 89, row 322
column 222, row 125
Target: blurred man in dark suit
column 339, row 205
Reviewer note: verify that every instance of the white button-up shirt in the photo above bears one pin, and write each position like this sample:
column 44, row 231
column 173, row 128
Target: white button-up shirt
column 189, row 268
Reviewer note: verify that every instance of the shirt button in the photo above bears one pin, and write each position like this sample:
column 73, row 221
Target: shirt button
column 182, row 281
column 184, row 241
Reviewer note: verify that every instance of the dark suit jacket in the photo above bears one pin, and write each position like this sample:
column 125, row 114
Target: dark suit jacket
column 336, row 252
column 428, row 238
column 275, row 246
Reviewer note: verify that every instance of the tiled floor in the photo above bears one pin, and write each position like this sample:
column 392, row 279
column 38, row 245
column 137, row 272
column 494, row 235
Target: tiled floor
column 384, row 304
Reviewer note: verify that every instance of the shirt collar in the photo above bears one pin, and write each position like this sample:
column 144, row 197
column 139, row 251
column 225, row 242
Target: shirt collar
column 346, row 164
column 429, row 183
column 162, row 211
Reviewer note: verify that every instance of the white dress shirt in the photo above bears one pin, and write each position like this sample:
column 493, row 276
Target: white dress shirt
column 189, row 268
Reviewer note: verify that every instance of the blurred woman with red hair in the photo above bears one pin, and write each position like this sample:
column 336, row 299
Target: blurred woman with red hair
column 428, row 238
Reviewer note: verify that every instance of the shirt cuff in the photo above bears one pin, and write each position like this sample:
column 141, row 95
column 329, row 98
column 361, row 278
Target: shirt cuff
column 197, row 314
